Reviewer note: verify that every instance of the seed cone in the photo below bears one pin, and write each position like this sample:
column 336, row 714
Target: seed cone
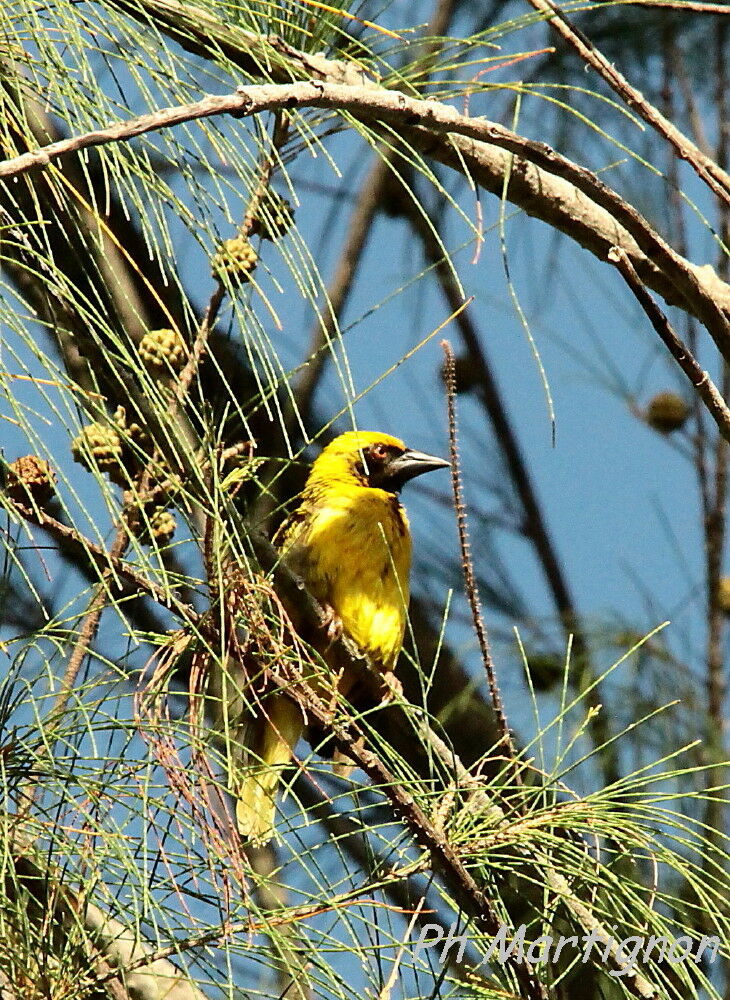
column 162, row 350
column 162, row 525
column 667, row 412
column 30, row 477
column 273, row 218
column 235, row 260
column 99, row 446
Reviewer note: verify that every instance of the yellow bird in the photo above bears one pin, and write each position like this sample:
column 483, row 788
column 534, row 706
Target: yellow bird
column 350, row 541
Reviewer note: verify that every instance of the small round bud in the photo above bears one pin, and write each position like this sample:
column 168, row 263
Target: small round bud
column 29, row 478
column 235, row 260
column 163, row 350
column 162, row 525
column 273, row 218
column 667, row 412
column 99, row 446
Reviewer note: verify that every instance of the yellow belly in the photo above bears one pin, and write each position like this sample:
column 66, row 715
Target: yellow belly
column 354, row 553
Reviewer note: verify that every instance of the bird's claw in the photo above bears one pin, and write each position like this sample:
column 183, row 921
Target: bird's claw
column 392, row 688
column 332, row 622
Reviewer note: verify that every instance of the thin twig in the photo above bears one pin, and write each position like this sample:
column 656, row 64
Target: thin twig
column 87, row 631
column 687, row 6
column 199, row 344
column 699, row 378
column 533, row 526
column 386, row 991
column 104, row 559
column 704, row 166
column 467, row 566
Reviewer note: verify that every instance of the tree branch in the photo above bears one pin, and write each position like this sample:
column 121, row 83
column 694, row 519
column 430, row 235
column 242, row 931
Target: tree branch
column 699, row 378
column 103, row 559
column 717, row 179
column 306, row 616
column 440, row 130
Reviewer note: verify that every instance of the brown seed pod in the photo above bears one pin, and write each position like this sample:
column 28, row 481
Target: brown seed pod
column 235, row 260
column 667, row 412
column 30, row 477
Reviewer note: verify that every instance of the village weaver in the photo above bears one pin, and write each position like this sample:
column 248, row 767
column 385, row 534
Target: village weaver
column 350, row 541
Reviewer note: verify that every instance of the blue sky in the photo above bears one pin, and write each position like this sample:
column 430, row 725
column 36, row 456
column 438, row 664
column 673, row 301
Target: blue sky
column 620, row 501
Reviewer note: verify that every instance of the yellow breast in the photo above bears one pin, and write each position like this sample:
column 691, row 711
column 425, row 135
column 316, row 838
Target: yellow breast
column 353, row 548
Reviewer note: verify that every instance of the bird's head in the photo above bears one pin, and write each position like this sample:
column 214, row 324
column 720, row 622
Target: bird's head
column 372, row 460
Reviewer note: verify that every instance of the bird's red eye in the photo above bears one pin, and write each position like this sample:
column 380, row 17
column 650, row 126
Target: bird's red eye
column 379, row 452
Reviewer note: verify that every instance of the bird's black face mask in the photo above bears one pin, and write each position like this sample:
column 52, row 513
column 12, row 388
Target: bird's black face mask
column 389, row 468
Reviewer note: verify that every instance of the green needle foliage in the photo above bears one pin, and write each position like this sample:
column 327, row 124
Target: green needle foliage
column 156, row 362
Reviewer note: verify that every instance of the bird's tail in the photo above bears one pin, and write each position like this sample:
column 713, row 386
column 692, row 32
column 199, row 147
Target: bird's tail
column 272, row 739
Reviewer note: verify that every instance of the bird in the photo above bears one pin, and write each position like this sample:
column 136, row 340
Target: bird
column 349, row 540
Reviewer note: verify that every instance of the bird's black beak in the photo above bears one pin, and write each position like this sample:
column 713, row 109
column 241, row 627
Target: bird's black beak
column 411, row 464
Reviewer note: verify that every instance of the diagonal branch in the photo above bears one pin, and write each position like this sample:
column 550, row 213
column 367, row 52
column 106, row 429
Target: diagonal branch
column 306, row 617
column 200, row 32
column 73, row 540
column 440, row 131
column 717, row 179
column 699, row 378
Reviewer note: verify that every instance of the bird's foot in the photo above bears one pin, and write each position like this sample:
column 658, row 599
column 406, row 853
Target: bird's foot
column 391, row 687
column 332, row 622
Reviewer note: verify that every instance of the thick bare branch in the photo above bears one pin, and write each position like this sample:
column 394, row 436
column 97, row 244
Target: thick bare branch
column 443, row 133
column 558, row 202
column 268, row 56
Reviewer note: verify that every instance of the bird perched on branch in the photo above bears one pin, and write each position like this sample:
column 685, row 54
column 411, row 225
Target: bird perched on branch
column 350, row 541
